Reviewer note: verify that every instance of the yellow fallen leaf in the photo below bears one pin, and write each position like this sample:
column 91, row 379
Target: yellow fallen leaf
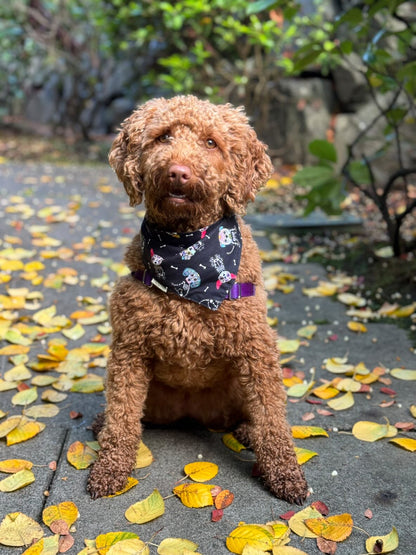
column 75, row 332
column 131, row 482
column 201, row 471
column 7, row 386
column 146, row 510
column 324, row 289
column 403, row 374
column 297, row 522
column 173, row 546
column 194, row 495
column 45, row 546
column 44, row 316
column 63, row 383
column 11, row 265
column 53, row 396
column 249, row 550
column 25, row 397
column 303, row 455
column 144, row 456
column 357, row 327
column 18, row 373
column 8, row 425
column 288, row 382
column 361, row 369
column 281, row 531
column 17, row 530
column 403, row 311
column 14, row 465
column 372, row 431
column 288, row 345
column 17, row 481
column 90, row 383
column 368, row 379
column 302, row 432
column 26, row 429
column 338, row 365
column 388, row 543
column 287, row 550
column 104, row 542
column 42, row 411
column 80, row 455
column 96, row 319
column 299, row 390
column 34, row 265
column 307, row 331
column 57, row 351
column 232, row 443
column 67, row 511
column 406, row 442
column 351, row 300
column 128, row 547
column 412, row 409
column 342, row 403
column 11, row 350
column 325, row 391
column 12, row 303
column 14, row 336
column 336, row 528
column 249, row 534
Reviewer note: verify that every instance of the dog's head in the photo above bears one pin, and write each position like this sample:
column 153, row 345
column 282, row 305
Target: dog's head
column 194, row 162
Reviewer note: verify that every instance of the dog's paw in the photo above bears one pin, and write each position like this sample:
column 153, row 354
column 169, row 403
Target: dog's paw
column 98, row 424
column 290, row 486
column 242, row 434
column 105, row 479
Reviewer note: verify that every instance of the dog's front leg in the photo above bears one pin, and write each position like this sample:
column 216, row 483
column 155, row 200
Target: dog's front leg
column 126, row 391
column 268, row 431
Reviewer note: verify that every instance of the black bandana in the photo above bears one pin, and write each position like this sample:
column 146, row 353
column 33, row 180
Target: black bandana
column 200, row 266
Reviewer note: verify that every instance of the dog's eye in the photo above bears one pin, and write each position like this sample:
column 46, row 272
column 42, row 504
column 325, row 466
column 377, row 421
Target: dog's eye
column 210, row 143
column 165, row 138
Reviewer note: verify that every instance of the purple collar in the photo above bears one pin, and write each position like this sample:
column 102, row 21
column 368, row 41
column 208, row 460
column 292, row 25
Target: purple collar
column 237, row 291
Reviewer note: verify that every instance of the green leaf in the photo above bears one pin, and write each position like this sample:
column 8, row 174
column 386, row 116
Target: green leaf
column 306, row 60
column 259, row 6
column 359, row 172
column 346, row 47
column 313, row 176
column 352, row 17
column 324, row 150
column 325, row 196
column 146, row 510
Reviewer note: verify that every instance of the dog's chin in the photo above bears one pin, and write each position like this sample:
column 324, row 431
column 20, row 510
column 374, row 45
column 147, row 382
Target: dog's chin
column 178, row 201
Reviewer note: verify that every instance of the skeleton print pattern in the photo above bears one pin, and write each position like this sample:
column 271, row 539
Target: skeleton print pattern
column 197, row 265
column 229, row 237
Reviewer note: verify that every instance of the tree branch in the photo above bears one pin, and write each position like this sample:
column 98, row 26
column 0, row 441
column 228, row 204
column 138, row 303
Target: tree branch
column 403, row 172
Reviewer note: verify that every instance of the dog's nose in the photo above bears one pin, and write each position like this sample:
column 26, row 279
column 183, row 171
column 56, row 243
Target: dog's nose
column 179, row 174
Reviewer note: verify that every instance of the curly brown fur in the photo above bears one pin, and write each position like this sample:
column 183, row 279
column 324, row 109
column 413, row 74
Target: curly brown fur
column 171, row 358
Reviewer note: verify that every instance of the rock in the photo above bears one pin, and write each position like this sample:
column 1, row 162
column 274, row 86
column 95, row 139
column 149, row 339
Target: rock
column 300, row 112
column 350, row 85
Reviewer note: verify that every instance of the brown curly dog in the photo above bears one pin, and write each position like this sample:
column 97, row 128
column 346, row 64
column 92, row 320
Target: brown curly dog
column 195, row 343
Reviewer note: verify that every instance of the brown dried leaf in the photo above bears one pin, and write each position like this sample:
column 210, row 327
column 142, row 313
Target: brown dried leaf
column 328, row 547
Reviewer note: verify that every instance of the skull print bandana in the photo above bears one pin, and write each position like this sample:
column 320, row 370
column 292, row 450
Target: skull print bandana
column 200, row 266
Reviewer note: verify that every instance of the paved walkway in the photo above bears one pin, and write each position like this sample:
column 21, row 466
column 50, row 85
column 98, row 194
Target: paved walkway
column 78, row 218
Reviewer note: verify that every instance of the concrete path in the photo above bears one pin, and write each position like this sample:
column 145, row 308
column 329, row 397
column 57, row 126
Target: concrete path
column 85, row 211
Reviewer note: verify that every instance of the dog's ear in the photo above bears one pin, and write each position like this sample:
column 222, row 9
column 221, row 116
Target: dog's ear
column 258, row 165
column 252, row 168
column 125, row 167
